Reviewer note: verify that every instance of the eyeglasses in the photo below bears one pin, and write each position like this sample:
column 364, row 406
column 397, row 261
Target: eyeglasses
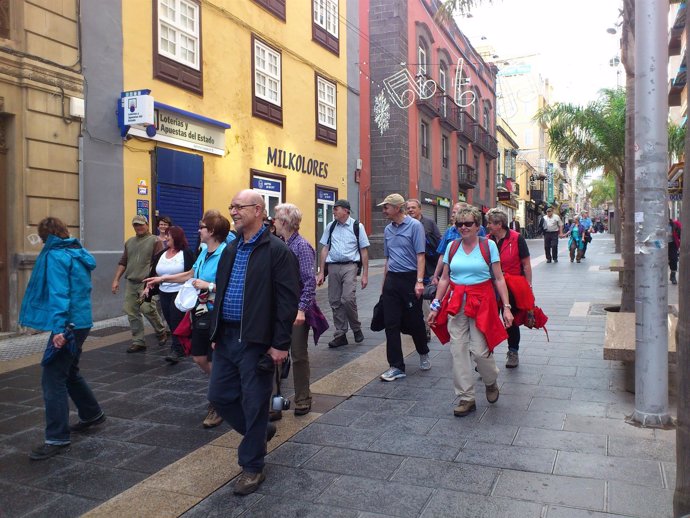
column 202, row 226
column 468, row 224
column 240, row 207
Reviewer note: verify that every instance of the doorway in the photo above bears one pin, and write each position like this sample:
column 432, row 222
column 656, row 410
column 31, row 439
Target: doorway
column 325, row 199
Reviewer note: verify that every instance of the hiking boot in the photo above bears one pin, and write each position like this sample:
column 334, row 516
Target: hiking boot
column 512, row 360
column 492, row 392
column 162, row 339
column 392, row 374
column 275, row 415
column 673, row 278
column 82, row 426
column 359, row 336
column 339, row 341
column 174, row 356
column 136, row 348
column 212, row 418
column 271, row 430
column 46, row 451
column 464, row 408
column 424, row 363
column 248, row 482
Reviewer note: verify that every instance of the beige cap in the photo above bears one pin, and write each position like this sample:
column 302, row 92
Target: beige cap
column 393, row 199
column 139, row 220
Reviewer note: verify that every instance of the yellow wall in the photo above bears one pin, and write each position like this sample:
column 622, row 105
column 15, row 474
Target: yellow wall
column 227, row 27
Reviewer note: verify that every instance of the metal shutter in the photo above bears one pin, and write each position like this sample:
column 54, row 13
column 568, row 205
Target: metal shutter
column 441, row 218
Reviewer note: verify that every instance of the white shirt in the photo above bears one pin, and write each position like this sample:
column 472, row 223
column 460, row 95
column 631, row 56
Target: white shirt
column 552, row 224
column 170, row 266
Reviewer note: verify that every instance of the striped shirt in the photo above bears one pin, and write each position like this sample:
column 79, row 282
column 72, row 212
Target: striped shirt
column 233, row 301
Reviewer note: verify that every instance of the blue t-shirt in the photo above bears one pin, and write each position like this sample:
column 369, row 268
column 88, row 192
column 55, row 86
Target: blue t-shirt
column 402, row 243
column 469, row 269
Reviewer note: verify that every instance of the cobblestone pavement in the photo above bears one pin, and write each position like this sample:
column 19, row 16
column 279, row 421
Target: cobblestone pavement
column 555, row 444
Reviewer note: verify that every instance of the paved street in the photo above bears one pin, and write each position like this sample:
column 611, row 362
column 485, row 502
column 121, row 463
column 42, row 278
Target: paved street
column 555, row 444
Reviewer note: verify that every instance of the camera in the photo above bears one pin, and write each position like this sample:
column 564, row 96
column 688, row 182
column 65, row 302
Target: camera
column 279, row 403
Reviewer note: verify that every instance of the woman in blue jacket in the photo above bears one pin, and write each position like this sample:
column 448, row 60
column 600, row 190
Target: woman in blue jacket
column 59, row 295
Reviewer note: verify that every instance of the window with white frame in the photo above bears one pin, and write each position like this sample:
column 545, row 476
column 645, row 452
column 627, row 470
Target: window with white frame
column 178, row 31
column 326, row 15
column 442, row 78
column 421, row 60
column 267, row 63
column 326, row 102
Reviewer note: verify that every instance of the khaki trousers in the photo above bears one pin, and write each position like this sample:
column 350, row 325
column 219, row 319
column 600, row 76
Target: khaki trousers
column 134, row 312
column 342, row 289
column 300, row 365
column 467, row 343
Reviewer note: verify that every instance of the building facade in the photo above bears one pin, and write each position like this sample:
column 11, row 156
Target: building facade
column 427, row 110
column 41, row 105
column 213, row 97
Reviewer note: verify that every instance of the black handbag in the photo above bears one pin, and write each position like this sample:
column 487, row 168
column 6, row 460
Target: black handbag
column 377, row 322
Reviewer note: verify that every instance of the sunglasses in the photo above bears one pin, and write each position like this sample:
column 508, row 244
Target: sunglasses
column 468, row 224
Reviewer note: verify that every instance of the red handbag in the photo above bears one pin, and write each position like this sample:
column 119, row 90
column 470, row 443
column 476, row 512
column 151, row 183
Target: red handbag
column 183, row 332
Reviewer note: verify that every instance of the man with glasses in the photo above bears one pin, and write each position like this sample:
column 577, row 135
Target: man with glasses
column 257, row 297
column 343, row 249
column 403, row 284
column 135, row 264
column 553, row 228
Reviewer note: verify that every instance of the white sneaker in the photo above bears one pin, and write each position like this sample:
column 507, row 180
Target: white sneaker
column 424, row 363
column 392, row 374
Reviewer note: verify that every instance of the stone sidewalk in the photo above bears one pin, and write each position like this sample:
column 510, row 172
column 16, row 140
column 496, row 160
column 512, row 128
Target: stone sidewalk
column 554, row 445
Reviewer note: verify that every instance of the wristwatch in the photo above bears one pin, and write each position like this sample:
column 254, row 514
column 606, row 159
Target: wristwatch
column 419, row 279
column 507, row 306
column 211, row 287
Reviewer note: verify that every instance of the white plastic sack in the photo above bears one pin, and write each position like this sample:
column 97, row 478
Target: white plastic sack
column 186, row 297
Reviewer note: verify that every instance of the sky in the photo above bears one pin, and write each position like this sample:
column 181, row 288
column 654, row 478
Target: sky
column 566, row 40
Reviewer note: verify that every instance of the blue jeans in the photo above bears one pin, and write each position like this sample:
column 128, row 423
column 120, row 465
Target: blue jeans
column 241, row 395
column 59, row 380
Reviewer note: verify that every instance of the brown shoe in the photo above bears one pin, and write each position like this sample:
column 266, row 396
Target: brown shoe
column 464, row 408
column 492, row 393
column 162, row 339
column 136, row 348
column 248, row 482
column 212, row 418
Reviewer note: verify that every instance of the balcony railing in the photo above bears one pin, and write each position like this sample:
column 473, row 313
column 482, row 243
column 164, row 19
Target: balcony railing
column 467, row 124
column 486, row 142
column 431, row 106
column 450, row 113
column 467, row 176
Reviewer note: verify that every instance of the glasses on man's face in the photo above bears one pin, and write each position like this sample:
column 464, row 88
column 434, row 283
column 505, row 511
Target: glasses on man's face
column 468, row 224
column 240, row 207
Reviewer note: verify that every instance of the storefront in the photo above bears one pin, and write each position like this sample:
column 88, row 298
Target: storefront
column 436, row 208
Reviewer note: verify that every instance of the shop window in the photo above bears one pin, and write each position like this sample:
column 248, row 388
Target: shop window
column 266, row 85
column 275, row 7
column 326, row 110
column 424, row 139
column 325, row 24
column 177, row 43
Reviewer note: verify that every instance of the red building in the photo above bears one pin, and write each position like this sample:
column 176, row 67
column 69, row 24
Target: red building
column 428, row 104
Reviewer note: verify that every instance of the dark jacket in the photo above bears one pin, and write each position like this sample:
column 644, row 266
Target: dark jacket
column 271, row 292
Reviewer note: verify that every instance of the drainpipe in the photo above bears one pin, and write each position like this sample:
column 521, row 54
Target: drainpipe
column 82, row 237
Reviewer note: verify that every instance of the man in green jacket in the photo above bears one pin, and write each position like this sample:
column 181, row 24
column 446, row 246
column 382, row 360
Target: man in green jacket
column 135, row 264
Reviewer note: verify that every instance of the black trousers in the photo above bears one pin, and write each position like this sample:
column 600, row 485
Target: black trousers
column 551, row 245
column 402, row 312
column 672, row 256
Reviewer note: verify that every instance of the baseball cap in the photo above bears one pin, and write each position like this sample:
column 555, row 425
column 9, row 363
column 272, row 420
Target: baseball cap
column 139, row 220
column 393, row 199
column 342, row 203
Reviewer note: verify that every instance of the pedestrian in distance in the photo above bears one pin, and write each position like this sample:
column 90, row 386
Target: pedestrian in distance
column 345, row 246
column 432, row 237
column 135, row 265
column 515, row 260
column 674, row 228
column 176, row 258
column 553, row 228
column 466, row 311
column 403, row 284
column 213, row 233
column 587, row 229
column 58, row 299
column 164, row 223
column 514, row 225
column 576, row 241
column 251, row 327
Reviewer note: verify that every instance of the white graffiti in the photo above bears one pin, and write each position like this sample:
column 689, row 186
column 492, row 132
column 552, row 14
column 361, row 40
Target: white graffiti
column 382, row 112
column 403, row 90
column 463, row 98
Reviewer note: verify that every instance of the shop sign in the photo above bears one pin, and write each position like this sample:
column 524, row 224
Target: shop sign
column 137, row 108
column 296, row 162
column 325, row 196
column 676, row 196
column 503, row 196
column 462, row 196
column 444, row 202
column 266, row 185
column 143, row 208
column 142, row 188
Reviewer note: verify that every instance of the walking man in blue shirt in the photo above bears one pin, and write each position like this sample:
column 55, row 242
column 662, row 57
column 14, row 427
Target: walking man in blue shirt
column 404, row 246
column 257, row 283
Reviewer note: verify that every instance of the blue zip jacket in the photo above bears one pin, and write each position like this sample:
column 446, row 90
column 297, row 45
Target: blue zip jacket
column 59, row 291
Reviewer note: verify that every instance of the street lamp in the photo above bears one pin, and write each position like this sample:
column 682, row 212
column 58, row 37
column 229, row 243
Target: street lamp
column 614, row 62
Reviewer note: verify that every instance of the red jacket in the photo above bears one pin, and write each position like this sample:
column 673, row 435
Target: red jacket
column 480, row 305
column 510, row 254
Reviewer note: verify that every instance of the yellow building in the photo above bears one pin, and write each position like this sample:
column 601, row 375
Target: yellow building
column 41, row 104
column 248, row 94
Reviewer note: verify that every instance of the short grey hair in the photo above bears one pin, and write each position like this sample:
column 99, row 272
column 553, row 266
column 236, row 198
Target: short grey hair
column 289, row 214
column 470, row 210
column 414, row 200
column 497, row 216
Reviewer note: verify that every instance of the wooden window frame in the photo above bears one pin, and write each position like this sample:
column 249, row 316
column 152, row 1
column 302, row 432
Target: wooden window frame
column 275, row 7
column 171, row 71
column 323, row 132
column 262, row 108
column 321, row 35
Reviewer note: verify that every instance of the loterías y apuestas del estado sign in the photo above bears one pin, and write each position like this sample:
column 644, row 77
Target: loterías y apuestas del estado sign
column 296, row 162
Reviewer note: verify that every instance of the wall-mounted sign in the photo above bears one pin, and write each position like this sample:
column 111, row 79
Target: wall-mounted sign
column 444, row 202
column 266, row 185
column 296, row 162
column 503, row 196
column 462, row 196
column 142, row 188
column 137, row 108
column 143, row 208
column 185, row 129
column 325, row 196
